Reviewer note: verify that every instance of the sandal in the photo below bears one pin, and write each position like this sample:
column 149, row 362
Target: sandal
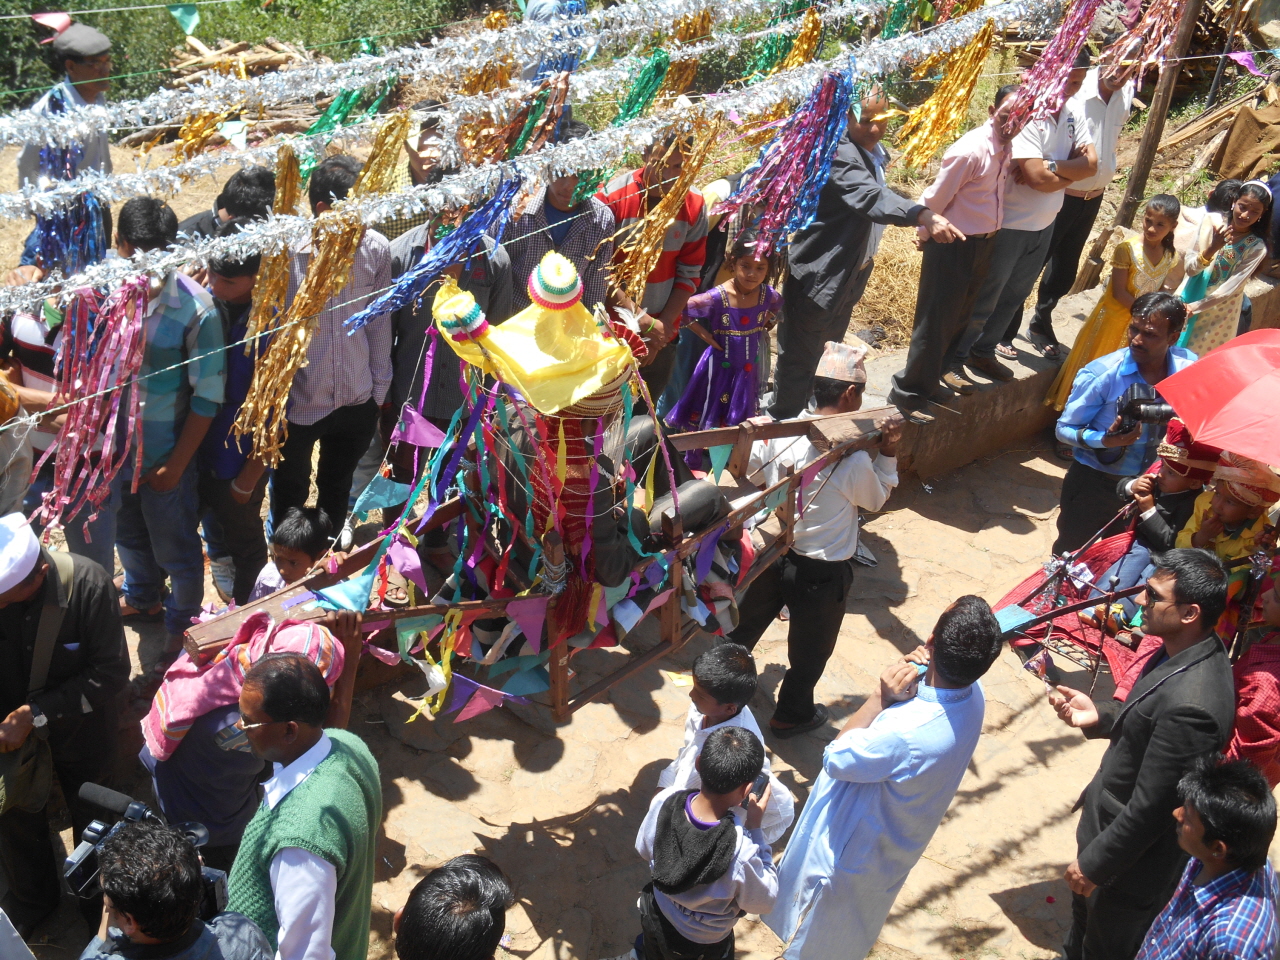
column 131, row 614
column 1007, row 351
column 820, row 716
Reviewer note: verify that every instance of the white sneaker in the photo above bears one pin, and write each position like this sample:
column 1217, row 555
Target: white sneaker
column 346, row 538
column 223, row 573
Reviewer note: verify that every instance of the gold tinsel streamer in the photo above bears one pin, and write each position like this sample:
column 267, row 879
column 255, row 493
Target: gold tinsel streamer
column 495, row 74
column 936, row 62
column 334, row 240
column 273, row 276
column 688, row 29
column 937, row 121
column 805, row 46
column 641, row 243
column 196, row 132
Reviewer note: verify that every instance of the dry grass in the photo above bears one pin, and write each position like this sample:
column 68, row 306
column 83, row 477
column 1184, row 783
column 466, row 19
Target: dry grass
column 890, row 299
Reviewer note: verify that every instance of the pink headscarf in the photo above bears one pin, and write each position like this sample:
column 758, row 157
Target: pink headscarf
column 190, row 691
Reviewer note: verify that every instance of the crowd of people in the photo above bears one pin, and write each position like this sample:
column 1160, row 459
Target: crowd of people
column 1172, row 837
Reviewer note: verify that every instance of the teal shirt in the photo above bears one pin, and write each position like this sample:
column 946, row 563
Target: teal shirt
column 334, row 813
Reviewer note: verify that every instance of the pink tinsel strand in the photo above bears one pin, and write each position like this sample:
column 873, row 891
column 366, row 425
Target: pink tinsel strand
column 1147, row 41
column 106, row 359
column 1041, row 92
column 773, row 183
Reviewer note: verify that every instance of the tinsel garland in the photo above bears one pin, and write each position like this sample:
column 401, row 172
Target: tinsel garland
column 773, row 50
column 196, row 132
column 1147, row 41
column 646, row 86
column 334, row 240
column 272, row 286
column 496, row 72
column 782, row 186
column 102, row 351
column 937, row 121
column 956, row 8
column 1040, row 94
column 452, row 117
column 544, row 117
column 74, row 236
column 602, row 149
column 623, row 24
column 640, row 245
column 489, row 219
column 805, row 45
column 683, row 69
column 897, row 18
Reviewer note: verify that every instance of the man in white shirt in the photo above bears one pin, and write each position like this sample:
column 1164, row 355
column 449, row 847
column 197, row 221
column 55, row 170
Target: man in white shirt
column 813, row 578
column 1049, row 155
column 1105, row 101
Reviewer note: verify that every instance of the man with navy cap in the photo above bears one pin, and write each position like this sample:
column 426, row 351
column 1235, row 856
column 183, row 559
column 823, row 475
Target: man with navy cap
column 83, row 56
column 63, row 665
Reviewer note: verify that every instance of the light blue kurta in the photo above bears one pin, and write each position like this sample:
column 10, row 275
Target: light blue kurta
column 881, row 794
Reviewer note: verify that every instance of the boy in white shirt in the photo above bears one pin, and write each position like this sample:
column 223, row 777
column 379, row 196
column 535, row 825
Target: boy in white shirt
column 724, row 681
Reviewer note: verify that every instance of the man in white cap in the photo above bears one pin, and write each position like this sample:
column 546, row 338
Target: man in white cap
column 82, row 56
column 63, row 663
column 813, row 578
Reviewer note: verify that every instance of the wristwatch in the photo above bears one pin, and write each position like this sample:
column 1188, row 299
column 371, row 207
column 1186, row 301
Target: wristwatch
column 1053, row 166
column 38, row 720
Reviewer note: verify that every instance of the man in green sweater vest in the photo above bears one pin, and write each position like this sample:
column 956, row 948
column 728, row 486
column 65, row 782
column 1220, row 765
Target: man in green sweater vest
column 304, row 873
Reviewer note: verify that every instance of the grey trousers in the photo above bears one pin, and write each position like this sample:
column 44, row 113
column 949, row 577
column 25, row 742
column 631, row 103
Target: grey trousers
column 1016, row 262
column 803, row 335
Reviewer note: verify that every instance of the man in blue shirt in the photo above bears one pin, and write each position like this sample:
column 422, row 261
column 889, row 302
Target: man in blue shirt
column 1225, row 904
column 1089, row 421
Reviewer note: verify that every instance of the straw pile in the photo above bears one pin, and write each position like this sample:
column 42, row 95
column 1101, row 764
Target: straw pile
column 890, row 299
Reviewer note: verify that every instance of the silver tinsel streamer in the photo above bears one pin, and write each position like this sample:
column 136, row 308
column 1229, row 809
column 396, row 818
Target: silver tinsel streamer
column 498, row 106
column 607, row 29
column 602, row 149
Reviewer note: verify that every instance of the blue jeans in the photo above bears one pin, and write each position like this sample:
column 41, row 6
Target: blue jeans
column 1133, row 568
column 689, row 350
column 156, row 536
column 103, row 530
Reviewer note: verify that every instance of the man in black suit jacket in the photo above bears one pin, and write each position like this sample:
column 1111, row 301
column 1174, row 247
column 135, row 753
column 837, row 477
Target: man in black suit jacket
column 1181, row 708
column 828, row 260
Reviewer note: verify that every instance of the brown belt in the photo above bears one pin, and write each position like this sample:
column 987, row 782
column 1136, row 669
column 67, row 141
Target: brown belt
column 1086, row 194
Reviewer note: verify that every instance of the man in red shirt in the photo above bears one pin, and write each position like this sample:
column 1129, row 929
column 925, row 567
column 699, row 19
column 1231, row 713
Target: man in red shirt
column 675, row 279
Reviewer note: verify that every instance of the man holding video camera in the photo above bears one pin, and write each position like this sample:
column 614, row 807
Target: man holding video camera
column 63, row 664
column 152, row 894
column 1091, row 424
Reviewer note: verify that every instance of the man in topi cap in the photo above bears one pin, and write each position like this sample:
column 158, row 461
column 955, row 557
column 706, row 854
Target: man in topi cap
column 63, row 663
column 82, row 55
column 813, row 578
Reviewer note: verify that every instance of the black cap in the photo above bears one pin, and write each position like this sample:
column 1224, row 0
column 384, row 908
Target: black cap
column 79, row 42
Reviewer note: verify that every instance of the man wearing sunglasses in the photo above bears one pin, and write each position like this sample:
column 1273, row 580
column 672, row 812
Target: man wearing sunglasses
column 83, row 56
column 1181, row 708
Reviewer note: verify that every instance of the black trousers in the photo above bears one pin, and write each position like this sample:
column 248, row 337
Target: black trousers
column 951, row 274
column 1110, row 923
column 1070, row 233
column 802, row 336
column 662, row 941
column 1088, row 501
column 83, row 752
column 344, row 437
column 815, row 593
column 238, row 526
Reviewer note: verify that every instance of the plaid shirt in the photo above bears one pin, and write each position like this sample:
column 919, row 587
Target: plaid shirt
column 341, row 370
column 1257, row 732
column 401, row 181
column 1230, row 918
column 181, row 323
column 588, row 244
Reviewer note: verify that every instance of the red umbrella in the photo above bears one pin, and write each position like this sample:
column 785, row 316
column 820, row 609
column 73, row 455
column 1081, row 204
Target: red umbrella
column 1230, row 397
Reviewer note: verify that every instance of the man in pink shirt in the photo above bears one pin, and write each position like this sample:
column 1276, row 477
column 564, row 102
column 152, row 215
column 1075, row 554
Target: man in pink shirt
column 969, row 192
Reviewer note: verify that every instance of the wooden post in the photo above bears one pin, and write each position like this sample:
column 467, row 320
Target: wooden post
column 558, row 668
column 1169, row 70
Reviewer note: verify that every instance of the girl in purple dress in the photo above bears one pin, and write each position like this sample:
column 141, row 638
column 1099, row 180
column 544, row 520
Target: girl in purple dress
column 732, row 318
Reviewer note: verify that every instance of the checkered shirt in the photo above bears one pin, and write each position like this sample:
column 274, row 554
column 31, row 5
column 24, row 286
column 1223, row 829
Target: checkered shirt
column 588, row 244
column 1230, row 918
column 401, row 181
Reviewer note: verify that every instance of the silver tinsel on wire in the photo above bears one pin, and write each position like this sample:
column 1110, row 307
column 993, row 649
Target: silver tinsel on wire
column 602, row 149
column 497, row 106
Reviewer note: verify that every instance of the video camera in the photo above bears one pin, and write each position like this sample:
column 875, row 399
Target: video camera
column 81, row 870
column 1140, row 403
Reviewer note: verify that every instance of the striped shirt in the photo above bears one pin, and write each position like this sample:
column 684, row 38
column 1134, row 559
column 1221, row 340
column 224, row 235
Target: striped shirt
column 588, row 244
column 343, row 371
column 183, row 364
column 1233, row 917
column 684, row 248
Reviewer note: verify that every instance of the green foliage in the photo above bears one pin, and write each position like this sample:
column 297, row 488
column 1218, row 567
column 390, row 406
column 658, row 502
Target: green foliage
column 143, row 40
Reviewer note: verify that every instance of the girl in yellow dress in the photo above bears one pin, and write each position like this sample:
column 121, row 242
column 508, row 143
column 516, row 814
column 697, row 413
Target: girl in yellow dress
column 1142, row 264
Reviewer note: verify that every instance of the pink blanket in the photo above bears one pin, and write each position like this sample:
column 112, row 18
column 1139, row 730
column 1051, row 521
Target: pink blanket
column 190, row 691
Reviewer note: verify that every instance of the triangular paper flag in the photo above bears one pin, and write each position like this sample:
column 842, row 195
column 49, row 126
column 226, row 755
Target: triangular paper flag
column 530, row 613
column 706, row 555
column 719, row 457
column 187, row 15
column 349, row 595
column 527, row 682
column 482, row 701
column 381, row 492
column 775, row 499
column 613, row 595
column 462, row 689
column 526, row 662
column 57, row 22
column 416, row 429
column 658, row 601
column 408, row 630
column 405, row 559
